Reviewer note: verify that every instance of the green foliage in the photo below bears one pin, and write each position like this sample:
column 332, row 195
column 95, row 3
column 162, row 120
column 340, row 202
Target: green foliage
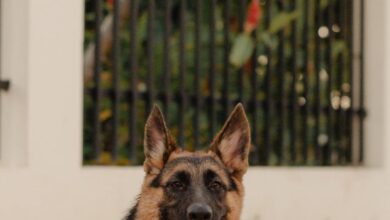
column 282, row 20
column 241, row 62
column 242, row 50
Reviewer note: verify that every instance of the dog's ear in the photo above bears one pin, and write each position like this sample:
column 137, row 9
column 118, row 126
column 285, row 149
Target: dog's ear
column 232, row 143
column 158, row 144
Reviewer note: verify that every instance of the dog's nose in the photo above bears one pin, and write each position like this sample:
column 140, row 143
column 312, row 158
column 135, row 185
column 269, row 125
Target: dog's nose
column 199, row 211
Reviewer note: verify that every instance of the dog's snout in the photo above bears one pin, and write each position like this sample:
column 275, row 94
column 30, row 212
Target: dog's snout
column 199, row 211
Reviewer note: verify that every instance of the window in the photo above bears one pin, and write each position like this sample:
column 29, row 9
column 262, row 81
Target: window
column 295, row 73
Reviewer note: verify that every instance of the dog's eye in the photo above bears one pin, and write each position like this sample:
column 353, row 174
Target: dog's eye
column 176, row 186
column 215, row 186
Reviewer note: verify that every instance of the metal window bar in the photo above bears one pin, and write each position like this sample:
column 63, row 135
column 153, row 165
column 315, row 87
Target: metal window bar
column 226, row 49
column 182, row 71
column 317, row 69
column 167, row 57
column 267, row 89
column 280, row 105
column 133, row 67
column 116, row 80
column 212, row 70
column 304, row 99
column 241, row 9
column 327, row 155
column 293, row 96
column 150, row 51
column 297, row 88
column 198, row 14
column 349, row 10
column 97, row 87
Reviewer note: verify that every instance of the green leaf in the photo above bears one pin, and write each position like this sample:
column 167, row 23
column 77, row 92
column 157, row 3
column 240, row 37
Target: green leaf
column 142, row 27
column 338, row 47
column 241, row 51
column 282, row 20
column 268, row 39
column 324, row 4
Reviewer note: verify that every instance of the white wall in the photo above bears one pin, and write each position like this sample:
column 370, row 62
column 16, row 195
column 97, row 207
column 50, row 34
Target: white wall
column 41, row 176
column 14, row 66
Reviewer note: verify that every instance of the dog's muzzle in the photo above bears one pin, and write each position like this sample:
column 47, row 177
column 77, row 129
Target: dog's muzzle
column 199, row 211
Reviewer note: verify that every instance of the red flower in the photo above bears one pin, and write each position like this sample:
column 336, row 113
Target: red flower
column 110, row 2
column 253, row 17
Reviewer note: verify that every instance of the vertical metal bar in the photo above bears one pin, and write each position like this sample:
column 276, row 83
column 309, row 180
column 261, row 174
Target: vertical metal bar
column 226, row 50
column 340, row 112
column 351, row 70
column 182, row 69
column 293, row 97
column 116, row 78
column 198, row 10
column 281, row 103
column 241, row 20
column 305, row 109
column 97, row 92
column 329, row 110
column 317, row 60
column 212, row 109
column 255, row 106
column 133, row 81
column 267, row 87
column 340, row 73
column 361, row 96
column 167, row 56
column 150, row 53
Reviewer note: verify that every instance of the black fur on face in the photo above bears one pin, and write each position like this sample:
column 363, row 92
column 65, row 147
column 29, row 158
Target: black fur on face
column 190, row 180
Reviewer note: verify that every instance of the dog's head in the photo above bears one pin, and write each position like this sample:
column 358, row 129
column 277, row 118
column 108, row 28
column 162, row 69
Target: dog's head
column 195, row 185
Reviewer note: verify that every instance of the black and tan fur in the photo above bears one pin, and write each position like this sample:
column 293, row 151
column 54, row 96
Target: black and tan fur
column 182, row 185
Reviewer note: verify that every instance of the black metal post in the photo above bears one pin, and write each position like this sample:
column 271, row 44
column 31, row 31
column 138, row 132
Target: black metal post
column 167, row 57
column 182, row 70
column 97, row 81
column 150, row 54
column 116, row 80
column 134, row 5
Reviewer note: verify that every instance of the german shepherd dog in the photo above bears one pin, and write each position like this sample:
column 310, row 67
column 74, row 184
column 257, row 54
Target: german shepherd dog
column 182, row 185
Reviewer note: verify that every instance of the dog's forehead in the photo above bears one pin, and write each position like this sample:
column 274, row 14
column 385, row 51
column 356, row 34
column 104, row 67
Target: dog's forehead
column 193, row 159
column 194, row 163
column 180, row 153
